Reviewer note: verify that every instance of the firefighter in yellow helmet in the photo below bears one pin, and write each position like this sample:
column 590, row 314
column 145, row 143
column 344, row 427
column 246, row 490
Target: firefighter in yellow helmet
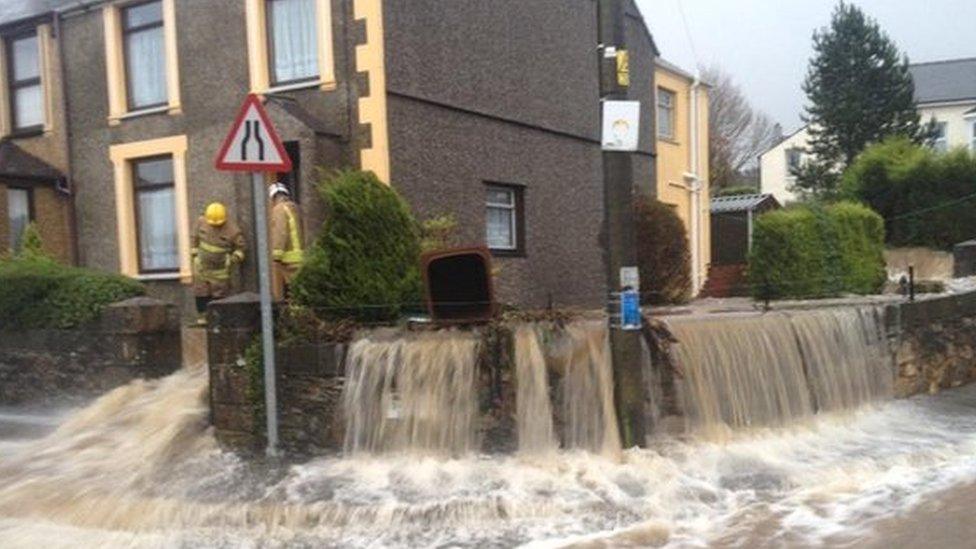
column 217, row 246
column 286, row 239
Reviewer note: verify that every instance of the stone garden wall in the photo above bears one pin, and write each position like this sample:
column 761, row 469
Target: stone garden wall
column 139, row 337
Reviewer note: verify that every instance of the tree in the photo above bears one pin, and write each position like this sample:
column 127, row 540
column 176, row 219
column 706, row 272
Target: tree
column 737, row 133
column 663, row 256
column 859, row 91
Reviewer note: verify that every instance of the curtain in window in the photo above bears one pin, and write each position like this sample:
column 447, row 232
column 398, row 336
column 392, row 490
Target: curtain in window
column 28, row 106
column 146, row 67
column 157, row 230
column 18, row 215
column 295, row 42
column 500, row 228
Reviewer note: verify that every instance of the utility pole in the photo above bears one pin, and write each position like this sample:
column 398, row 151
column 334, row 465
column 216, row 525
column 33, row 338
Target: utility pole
column 629, row 386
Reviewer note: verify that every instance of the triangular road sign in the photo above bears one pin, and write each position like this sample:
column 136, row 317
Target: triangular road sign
column 253, row 144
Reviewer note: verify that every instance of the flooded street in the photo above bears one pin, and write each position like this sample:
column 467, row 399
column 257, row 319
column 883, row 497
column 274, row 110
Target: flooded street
column 139, row 468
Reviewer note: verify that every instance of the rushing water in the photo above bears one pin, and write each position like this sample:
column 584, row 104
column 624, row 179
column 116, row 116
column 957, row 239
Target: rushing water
column 139, row 467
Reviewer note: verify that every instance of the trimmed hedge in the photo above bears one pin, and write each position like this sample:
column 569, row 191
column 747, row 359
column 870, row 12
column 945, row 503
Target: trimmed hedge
column 37, row 292
column 925, row 197
column 364, row 264
column 663, row 257
column 813, row 252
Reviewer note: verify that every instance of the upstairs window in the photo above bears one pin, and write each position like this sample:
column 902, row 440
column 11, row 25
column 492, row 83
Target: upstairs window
column 940, row 142
column 24, row 77
column 503, row 218
column 145, row 55
column 665, row 113
column 292, row 41
column 793, row 159
column 20, row 212
column 972, row 143
column 155, row 204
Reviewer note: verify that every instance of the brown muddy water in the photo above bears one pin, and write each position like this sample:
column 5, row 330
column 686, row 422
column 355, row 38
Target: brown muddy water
column 140, row 468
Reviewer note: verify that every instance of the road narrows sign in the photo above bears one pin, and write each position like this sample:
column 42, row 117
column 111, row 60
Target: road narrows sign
column 252, row 144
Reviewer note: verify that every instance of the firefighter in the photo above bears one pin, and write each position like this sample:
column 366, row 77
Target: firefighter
column 217, row 246
column 286, row 239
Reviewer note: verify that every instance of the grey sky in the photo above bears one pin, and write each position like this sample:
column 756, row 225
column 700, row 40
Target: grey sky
column 766, row 44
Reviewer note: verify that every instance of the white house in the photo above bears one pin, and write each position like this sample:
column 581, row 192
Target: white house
column 945, row 91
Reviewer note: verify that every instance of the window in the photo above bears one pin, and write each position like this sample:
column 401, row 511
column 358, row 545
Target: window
column 939, row 141
column 793, row 158
column 290, row 44
column 145, row 55
column 292, row 41
column 20, row 212
column 665, row 113
column 503, row 218
column 154, row 192
column 24, row 76
column 972, row 143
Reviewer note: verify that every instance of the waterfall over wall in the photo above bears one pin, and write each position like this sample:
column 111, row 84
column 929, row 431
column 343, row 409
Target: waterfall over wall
column 578, row 356
column 412, row 392
column 776, row 368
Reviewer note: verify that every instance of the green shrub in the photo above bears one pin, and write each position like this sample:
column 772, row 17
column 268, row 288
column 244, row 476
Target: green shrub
column 925, row 197
column 364, row 263
column 663, row 257
column 439, row 232
column 812, row 252
column 37, row 292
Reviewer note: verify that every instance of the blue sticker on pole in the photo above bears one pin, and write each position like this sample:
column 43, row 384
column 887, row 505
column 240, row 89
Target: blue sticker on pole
column 630, row 316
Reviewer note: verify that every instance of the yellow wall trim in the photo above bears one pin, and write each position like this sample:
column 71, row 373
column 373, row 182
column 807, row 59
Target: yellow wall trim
column 46, row 59
column 372, row 108
column 259, row 64
column 121, row 156
column 5, row 121
column 172, row 57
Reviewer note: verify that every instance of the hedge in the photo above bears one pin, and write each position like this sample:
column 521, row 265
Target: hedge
column 926, row 197
column 37, row 292
column 364, row 264
column 663, row 257
column 813, row 252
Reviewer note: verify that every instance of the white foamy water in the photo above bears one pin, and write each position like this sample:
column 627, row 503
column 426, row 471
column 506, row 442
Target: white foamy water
column 139, row 469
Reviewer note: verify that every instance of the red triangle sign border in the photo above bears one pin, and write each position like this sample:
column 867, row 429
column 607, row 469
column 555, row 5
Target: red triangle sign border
column 223, row 164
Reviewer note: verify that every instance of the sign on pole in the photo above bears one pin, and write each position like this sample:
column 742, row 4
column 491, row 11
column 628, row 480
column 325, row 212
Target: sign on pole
column 253, row 146
column 621, row 125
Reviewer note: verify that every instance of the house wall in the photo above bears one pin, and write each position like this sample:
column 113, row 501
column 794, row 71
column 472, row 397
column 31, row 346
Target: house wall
column 213, row 81
column 51, row 208
column 774, row 177
column 675, row 165
column 959, row 128
column 508, row 92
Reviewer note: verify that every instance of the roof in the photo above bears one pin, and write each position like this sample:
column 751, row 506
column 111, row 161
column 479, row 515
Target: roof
column 742, row 203
column 940, row 81
column 17, row 10
column 16, row 163
column 660, row 62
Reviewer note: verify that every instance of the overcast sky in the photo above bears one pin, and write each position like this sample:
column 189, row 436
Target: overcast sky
column 766, row 44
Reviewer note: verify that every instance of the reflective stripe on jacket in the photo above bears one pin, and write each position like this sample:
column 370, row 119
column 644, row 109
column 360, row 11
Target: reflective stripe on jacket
column 286, row 239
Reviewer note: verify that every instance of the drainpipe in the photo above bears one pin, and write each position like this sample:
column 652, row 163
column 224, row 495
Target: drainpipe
column 695, row 189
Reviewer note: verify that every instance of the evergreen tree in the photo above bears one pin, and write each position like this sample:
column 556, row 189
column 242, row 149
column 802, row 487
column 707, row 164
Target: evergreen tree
column 859, row 91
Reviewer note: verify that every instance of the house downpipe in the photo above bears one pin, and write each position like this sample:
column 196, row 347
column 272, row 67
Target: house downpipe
column 695, row 188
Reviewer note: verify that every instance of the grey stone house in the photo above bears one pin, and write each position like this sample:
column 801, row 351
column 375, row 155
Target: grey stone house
column 485, row 110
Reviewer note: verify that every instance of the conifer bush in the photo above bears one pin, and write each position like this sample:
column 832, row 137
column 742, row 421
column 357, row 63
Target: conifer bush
column 364, row 263
column 663, row 257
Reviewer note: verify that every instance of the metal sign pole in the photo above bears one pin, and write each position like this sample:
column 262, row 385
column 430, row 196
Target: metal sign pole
column 267, row 328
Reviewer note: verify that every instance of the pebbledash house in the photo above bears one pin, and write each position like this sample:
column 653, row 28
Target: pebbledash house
column 111, row 114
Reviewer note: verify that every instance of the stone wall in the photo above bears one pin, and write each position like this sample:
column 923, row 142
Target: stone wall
column 139, row 337
column 935, row 343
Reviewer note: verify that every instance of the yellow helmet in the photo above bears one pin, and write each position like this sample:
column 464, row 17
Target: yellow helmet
column 216, row 214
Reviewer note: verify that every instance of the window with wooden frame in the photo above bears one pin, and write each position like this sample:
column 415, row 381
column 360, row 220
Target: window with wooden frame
column 20, row 213
column 26, row 92
column 665, row 113
column 154, row 199
column 145, row 55
column 504, row 214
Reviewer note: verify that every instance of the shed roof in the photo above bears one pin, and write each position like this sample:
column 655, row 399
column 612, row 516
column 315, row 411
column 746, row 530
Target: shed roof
column 16, row 163
column 939, row 81
column 743, row 203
